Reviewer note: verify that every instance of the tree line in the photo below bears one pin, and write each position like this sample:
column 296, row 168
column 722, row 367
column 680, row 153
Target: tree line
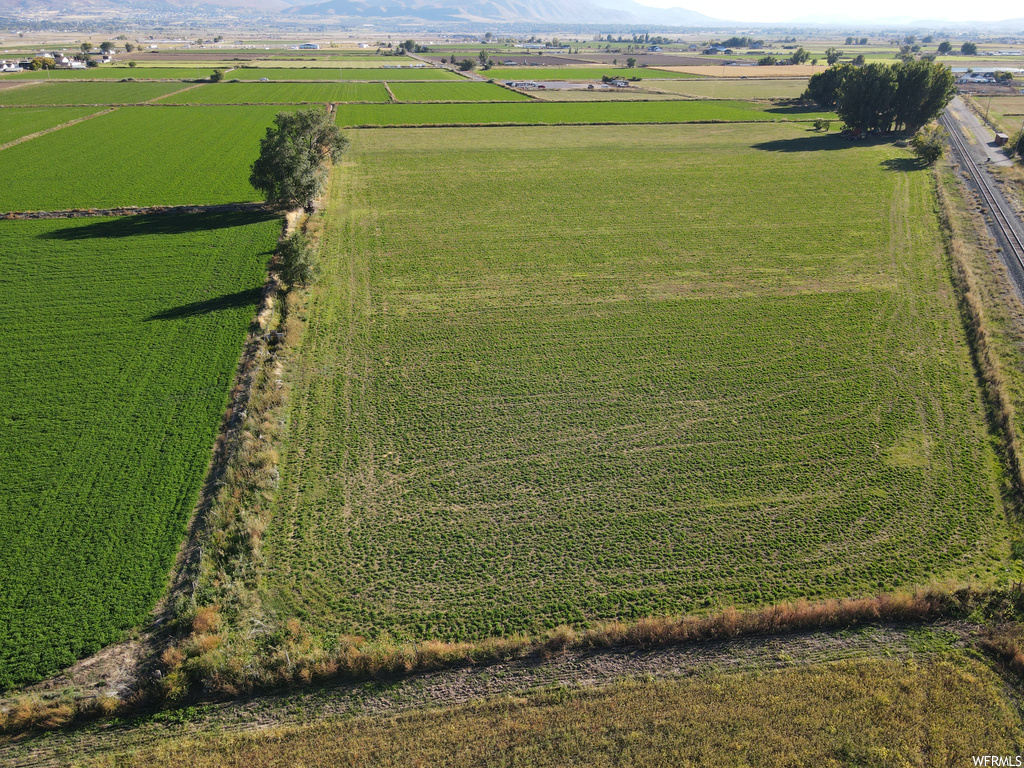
column 881, row 97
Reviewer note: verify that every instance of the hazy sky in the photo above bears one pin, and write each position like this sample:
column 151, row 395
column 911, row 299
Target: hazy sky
column 784, row 10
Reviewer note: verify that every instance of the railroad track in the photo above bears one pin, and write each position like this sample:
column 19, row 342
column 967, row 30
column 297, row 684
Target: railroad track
column 1004, row 219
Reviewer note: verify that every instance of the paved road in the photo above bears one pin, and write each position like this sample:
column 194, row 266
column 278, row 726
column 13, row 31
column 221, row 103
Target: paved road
column 979, row 137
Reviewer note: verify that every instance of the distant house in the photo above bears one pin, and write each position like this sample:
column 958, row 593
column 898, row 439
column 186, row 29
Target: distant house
column 693, row 48
column 655, row 49
column 620, row 83
column 309, row 47
column 10, row 66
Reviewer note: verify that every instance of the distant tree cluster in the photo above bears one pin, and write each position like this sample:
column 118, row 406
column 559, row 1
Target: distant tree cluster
column 881, row 97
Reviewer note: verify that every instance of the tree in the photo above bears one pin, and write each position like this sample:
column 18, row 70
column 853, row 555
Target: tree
column 969, row 49
column 927, row 39
column 878, row 97
column 822, row 125
column 823, row 88
column 832, row 55
column 630, row 62
column 864, row 97
column 767, row 61
column 216, row 76
column 799, row 56
column 42, row 62
column 295, row 155
column 86, row 47
column 128, row 47
column 466, row 65
column 863, row 41
column 929, row 143
column 859, row 60
column 483, row 57
column 849, row 41
column 299, row 264
column 106, row 46
column 133, row 64
column 409, row 45
column 944, row 47
column 923, row 90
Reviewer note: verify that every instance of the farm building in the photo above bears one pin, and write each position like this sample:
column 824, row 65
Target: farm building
column 1001, row 139
column 309, row 47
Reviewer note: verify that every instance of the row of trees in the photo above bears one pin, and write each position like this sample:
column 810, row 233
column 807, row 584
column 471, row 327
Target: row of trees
column 903, row 96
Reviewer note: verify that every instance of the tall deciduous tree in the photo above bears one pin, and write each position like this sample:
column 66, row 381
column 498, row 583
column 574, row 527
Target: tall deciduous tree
column 295, row 156
column 877, row 96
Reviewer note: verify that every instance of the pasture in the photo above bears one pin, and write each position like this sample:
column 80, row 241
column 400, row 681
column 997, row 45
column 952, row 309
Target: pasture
column 579, row 112
column 121, row 341
column 719, row 70
column 622, row 382
column 281, row 93
column 161, row 156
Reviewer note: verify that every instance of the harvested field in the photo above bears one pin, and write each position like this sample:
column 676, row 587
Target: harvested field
column 520, row 413
column 790, row 70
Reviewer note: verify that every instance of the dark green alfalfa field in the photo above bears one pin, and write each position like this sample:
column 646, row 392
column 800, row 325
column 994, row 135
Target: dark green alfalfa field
column 120, row 341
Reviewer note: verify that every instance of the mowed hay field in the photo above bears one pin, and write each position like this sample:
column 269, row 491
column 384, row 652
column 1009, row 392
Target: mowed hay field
column 645, row 370
column 121, row 342
column 733, row 89
column 930, row 712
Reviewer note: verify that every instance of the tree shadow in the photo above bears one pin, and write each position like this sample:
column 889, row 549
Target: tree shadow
column 815, row 143
column 171, row 223
column 247, row 298
column 785, row 110
column 904, row 164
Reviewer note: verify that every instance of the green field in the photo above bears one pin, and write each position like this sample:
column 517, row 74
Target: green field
column 161, row 156
column 578, row 73
column 87, row 93
column 360, row 75
column 734, row 89
column 873, row 713
column 15, row 123
column 117, row 73
column 623, row 382
column 455, row 91
column 551, row 113
column 280, row 93
column 121, row 345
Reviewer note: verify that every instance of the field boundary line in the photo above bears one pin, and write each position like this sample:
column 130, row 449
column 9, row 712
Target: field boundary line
column 37, row 134
column 156, row 99
column 80, row 213
column 391, row 93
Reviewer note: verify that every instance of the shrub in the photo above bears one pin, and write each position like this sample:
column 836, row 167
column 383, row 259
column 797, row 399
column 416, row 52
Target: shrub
column 298, row 260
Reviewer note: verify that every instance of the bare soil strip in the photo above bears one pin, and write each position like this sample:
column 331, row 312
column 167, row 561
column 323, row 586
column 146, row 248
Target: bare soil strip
column 37, row 134
column 472, row 683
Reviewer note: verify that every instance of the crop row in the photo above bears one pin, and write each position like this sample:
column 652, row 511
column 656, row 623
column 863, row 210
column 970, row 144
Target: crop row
column 581, row 73
column 123, row 336
column 616, row 384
